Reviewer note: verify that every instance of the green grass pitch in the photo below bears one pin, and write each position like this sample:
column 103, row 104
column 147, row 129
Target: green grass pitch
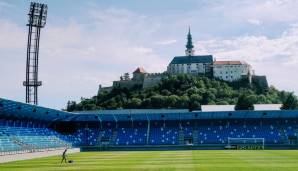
column 201, row 160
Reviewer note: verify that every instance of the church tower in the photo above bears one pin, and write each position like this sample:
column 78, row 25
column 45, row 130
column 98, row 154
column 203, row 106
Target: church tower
column 189, row 46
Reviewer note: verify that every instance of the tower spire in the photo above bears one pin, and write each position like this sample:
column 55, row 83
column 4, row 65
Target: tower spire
column 189, row 46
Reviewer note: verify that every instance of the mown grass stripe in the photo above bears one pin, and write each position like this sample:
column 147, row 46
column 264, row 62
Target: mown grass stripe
column 263, row 160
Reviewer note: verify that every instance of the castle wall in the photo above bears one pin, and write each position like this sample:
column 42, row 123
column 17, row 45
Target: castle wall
column 260, row 80
column 127, row 84
column 152, row 80
column 103, row 89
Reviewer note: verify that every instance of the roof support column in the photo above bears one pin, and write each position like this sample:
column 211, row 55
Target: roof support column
column 115, row 120
column 148, row 129
column 180, row 125
column 100, row 121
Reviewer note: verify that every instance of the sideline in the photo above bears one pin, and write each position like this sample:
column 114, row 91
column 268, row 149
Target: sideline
column 26, row 156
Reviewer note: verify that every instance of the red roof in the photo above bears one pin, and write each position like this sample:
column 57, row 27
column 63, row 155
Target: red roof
column 140, row 70
column 228, row 63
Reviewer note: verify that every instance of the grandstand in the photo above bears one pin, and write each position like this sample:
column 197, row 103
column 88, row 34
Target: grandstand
column 18, row 136
column 28, row 128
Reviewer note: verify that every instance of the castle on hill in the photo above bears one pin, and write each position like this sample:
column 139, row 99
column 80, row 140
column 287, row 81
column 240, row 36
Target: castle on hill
column 201, row 65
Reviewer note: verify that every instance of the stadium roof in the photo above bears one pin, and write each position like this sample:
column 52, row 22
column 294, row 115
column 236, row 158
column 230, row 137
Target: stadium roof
column 267, row 106
column 16, row 110
column 213, row 108
column 257, row 107
column 102, row 116
column 192, row 59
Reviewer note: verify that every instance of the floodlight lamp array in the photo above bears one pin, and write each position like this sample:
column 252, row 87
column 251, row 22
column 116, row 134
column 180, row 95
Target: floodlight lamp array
column 37, row 14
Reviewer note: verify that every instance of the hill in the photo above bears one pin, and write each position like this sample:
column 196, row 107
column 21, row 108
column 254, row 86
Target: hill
column 182, row 91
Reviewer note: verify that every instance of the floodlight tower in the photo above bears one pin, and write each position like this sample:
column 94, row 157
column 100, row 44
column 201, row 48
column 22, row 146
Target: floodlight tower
column 36, row 21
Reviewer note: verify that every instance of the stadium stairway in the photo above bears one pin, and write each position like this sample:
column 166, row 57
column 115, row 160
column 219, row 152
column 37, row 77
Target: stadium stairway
column 195, row 137
column 99, row 136
column 114, row 137
column 181, row 137
column 283, row 136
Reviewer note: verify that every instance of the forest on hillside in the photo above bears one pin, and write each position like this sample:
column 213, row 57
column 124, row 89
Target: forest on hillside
column 186, row 91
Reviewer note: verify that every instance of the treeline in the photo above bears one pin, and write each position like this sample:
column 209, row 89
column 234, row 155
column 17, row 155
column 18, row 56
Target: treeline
column 186, row 91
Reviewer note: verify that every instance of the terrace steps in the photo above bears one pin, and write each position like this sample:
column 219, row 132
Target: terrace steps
column 114, row 137
column 283, row 136
column 181, row 137
column 195, row 137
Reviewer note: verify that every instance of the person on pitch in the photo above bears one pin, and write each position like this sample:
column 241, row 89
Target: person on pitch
column 64, row 156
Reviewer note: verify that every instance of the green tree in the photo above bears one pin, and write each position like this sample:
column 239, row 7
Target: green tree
column 111, row 104
column 245, row 102
column 290, row 103
column 157, row 101
column 171, row 101
column 194, row 102
column 165, row 92
column 183, row 102
column 146, row 103
column 192, row 90
column 134, row 103
column 71, row 106
column 222, row 102
column 184, row 91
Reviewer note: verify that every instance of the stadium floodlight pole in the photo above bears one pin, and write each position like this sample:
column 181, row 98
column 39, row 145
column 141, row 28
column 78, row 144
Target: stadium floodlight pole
column 36, row 21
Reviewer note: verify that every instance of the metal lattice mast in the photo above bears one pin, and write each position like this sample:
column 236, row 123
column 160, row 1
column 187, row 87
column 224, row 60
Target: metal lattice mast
column 37, row 20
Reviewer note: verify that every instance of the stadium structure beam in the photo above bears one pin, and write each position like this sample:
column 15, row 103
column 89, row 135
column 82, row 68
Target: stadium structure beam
column 115, row 120
column 114, row 117
column 131, row 119
column 147, row 117
column 99, row 118
column 100, row 122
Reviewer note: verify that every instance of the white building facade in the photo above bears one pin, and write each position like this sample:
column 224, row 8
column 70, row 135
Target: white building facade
column 190, row 63
column 231, row 70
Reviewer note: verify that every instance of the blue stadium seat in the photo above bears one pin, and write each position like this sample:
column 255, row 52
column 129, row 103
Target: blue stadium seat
column 13, row 137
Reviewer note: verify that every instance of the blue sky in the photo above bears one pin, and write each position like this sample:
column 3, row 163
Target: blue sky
column 87, row 43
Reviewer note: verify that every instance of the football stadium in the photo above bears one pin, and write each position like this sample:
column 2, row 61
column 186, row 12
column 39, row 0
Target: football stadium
column 199, row 113
column 149, row 139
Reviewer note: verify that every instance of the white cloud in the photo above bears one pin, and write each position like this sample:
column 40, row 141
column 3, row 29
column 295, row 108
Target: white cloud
column 122, row 23
column 269, row 10
column 274, row 57
column 74, row 59
column 12, row 37
column 254, row 22
column 142, row 50
column 167, row 42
